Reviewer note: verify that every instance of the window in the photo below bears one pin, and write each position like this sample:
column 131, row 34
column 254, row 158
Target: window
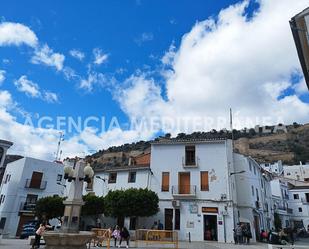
column 7, row 178
column 296, row 196
column 132, row 177
column 288, row 173
column 2, row 223
column 254, row 169
column 257, row 195
column 59, row 178
column 31, row 199
column 112, row 177
column 300, row 209
column 36, row 180
column 252, row 190
column 250, row 166
column 2, row 199
column 165, row 182
column 177, row 219
column 190, row 155
column 307, row 197
column 132, row 225
column 204, row 181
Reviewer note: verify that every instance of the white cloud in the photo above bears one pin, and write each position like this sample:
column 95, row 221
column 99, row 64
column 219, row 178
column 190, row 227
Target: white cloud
column 2, row 76
column 45, row 55
column 27, row 86
column 144, row 37
column 226, row 61
column 32, row 89
column 16, row 34
column 42, row 142
column 50, row 97
column 77, row 54
column 93, row 78
column 99, row 56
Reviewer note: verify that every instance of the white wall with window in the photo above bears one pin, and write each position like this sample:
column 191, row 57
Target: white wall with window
column 25, row 181
column 299, row 202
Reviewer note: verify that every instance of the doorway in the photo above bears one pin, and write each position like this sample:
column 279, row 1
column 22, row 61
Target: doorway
column 210, row 227
column 184, row 182
column 257, row 227
column 168, row 218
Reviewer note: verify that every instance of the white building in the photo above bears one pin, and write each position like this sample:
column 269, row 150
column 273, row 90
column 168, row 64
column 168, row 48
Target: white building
column 297, row 172
column 280, row 195
column 4, row 146
column 193, row 182
column 24, row 182
column 299, row 203
column 254, row 197
column 275, row 168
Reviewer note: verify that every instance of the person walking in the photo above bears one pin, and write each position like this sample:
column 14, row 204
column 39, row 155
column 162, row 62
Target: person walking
column 38, row 234
column 116, row 235
column 124, row 235
column 239, row 234
column 247, row 234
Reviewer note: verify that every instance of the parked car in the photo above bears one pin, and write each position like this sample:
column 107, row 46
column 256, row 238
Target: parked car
column 27, row 231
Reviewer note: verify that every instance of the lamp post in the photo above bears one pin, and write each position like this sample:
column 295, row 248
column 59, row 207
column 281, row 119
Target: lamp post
column 79, row 174
column 70, row 237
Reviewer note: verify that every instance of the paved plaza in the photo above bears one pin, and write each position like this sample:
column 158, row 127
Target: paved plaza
column 24, row 244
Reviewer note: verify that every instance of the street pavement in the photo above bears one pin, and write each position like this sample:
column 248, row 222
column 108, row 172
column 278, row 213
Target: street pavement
column 24, row 244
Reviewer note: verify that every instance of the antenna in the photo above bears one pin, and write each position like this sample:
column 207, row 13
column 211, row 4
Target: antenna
column 59, row 152
column 231, row 127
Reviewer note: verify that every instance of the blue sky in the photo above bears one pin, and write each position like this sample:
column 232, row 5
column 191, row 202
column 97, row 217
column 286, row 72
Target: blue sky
column 100, row 57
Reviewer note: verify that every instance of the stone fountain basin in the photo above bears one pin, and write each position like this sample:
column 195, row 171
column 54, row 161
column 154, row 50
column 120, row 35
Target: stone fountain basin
column 60, row 240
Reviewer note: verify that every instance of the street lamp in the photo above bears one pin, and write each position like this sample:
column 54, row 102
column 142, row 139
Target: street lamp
column 238, row 172
column 69, row 174
column 103, row 179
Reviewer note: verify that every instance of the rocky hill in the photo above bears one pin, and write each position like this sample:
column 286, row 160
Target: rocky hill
column 265, row 144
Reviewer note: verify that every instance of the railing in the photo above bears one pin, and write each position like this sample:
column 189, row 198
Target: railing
column 156, row 237
column 190, row 164
column 35, row 184
column 26, row 206
column 100, row 236
column 184, row 190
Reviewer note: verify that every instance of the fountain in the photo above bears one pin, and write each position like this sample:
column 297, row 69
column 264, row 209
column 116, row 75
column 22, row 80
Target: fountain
column 70, row 236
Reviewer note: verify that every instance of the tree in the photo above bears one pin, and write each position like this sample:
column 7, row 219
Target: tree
column 131, row 202
column 50, row 207
column 94, row 206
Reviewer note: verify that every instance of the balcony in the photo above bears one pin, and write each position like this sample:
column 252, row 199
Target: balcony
column 27, row 207
column 190, row 163
column 35, row 184
column 184, row 191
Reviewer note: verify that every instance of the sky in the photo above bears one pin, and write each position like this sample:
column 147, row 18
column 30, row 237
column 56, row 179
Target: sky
column 106, row 73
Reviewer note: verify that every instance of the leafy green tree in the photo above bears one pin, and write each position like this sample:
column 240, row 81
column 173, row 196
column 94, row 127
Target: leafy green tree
column 131, row 202
column 93, row 206
column 50, row 207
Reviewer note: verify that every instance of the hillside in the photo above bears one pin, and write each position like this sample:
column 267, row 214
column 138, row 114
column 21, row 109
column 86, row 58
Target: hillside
column 289, row 144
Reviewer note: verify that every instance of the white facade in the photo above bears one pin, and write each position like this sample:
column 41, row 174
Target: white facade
column 280, row 195
column 20, row 190
column 299, row 203
column 197, row 211
column 297, row 172
column 254, row 198
column 275, row 168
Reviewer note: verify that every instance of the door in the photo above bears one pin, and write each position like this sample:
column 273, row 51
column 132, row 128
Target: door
column 23, row 220
column 257, row 227
column 36, row 180
column 184, row 182
column 168, row 218
column 210, row 227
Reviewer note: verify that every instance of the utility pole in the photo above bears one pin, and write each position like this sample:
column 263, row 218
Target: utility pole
column 59, row 152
